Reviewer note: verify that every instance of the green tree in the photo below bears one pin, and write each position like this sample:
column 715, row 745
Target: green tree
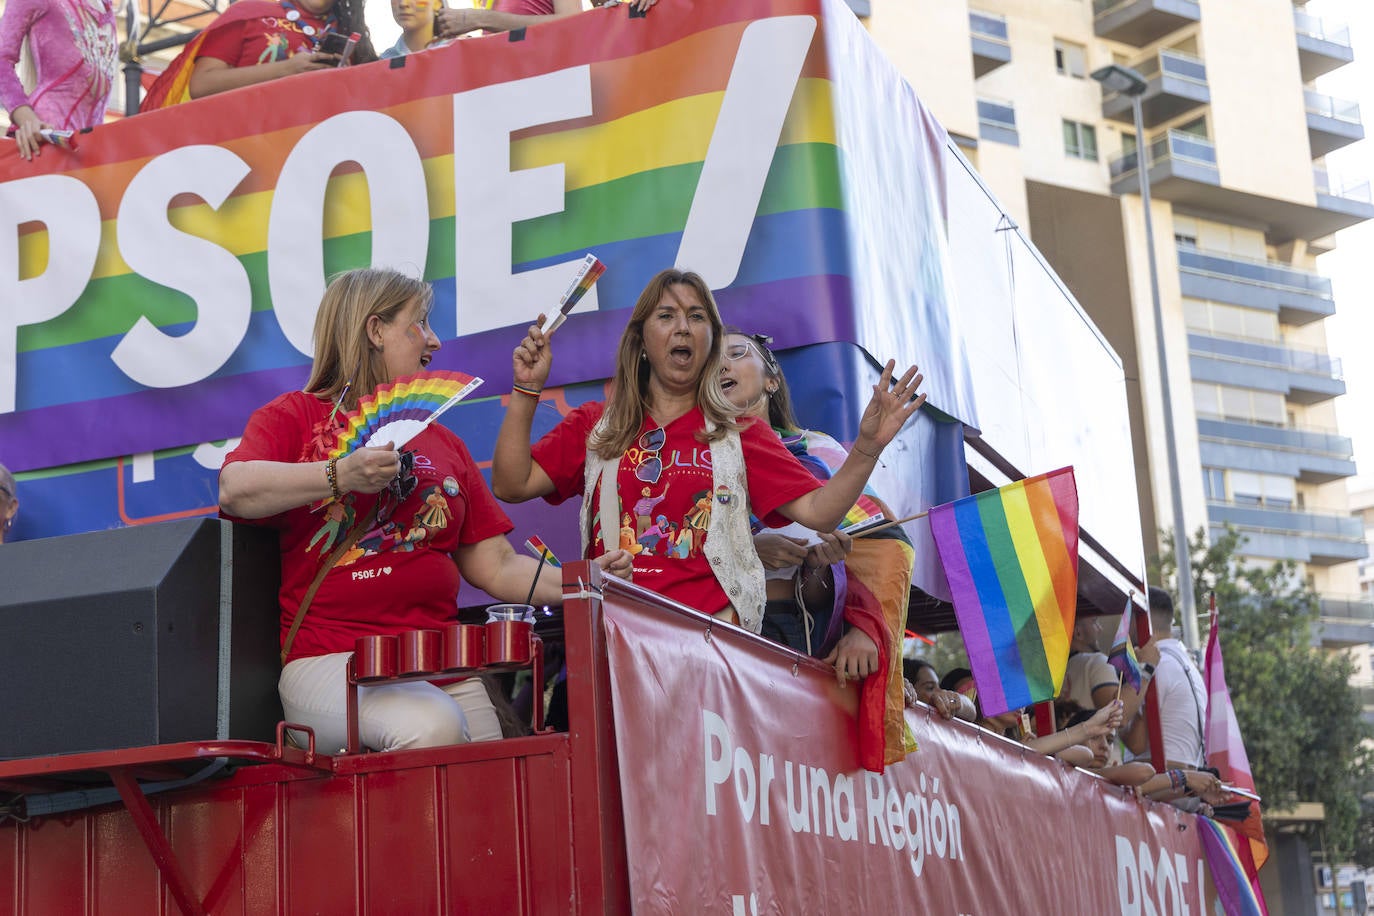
column 1298, row 716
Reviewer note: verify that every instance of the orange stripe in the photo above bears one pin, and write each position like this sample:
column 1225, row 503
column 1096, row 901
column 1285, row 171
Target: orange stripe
column 1050, row 529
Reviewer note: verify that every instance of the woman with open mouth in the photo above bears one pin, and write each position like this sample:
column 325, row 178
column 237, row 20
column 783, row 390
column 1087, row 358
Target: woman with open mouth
column 669, row 437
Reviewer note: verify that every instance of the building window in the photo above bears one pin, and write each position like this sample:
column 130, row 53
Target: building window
column 1272, row 490
column 1225, row 402
column 1070, row 59
column 1214, row 483
column 1080, row 140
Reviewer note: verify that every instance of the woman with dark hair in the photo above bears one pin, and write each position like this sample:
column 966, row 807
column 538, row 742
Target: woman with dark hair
column 376, row 542
column 9, row 502
column 256, row 41
column 669, row 428
column 923, row 684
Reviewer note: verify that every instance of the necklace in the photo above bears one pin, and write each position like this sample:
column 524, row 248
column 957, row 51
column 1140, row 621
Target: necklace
column 293, row 14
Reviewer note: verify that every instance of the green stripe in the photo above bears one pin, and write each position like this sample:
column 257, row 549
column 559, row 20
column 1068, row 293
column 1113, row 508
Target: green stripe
column 85, row 467
column 802, row 177
column 1028, row 641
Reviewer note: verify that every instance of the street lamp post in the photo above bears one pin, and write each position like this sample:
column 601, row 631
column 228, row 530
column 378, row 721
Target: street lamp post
column 1131, row 84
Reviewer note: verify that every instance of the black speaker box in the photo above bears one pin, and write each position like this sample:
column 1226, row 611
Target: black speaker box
column 151, row 634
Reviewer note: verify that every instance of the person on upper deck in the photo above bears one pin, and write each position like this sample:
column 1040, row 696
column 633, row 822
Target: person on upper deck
column 923, row 685
column 74, row 46
column 508, row 15
column 668, row 429
column 416, row 19
column 1181, row 691
column 9, row 502
column 256, row 41
column 421, row 520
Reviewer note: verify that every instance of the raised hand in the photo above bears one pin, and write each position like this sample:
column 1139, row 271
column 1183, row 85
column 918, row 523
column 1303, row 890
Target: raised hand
column 533, row 359
column 891, row 406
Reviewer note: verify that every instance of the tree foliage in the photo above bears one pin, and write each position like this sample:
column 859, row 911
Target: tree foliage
column 1299, row 718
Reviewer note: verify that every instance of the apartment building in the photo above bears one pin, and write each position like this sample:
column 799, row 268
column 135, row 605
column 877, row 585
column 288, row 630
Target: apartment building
column 1236, row 139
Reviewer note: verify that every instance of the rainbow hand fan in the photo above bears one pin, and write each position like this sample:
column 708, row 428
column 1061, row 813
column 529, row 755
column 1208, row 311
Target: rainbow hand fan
column 863, row 515
column 588, row 272
column 397, row 411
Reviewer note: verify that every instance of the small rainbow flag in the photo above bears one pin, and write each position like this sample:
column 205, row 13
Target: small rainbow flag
column 402, row 408
column 1238, row 892
column 537, row 547
column 1122, row 657
column 863, row 514
column 1011, row 558
column 588, row 272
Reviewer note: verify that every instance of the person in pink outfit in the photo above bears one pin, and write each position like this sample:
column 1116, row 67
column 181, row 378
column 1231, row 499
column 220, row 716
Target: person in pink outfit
column 74, row 46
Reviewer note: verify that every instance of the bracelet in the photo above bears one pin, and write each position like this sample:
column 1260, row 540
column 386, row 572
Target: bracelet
column 1148, row 669
column 528, row 392
column 868, row 454
column 331, row 474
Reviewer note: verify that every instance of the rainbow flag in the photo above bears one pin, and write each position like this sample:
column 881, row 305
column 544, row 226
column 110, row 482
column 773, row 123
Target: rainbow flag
column 1238, row 892
column 1122, row 656
column 588, row 272
column 541, row 552
column 1011, row 558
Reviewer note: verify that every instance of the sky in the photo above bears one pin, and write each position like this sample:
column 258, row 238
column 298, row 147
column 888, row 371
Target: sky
column 1350, row 332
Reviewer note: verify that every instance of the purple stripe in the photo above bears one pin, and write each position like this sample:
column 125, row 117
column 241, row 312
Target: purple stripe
column 968, row 608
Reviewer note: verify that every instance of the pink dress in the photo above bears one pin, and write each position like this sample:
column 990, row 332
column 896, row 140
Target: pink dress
column 74, row 47
column 525, row 7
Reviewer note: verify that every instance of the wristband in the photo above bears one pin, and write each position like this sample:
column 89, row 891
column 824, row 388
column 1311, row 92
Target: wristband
column 528, row 392
column 331, row 474
column 1148, row 669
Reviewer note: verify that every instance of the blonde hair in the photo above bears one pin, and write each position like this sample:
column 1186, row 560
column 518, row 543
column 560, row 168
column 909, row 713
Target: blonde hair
column 343, row 354
column 627, row 404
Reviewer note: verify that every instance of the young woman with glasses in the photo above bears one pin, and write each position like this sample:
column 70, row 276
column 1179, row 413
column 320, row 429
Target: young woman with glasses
column 422, row 520
column 671, row 443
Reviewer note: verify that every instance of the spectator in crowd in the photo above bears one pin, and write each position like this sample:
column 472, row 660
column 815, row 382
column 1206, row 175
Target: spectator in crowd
column 668, row 428
column 256, row 41
column 1090, row 681
column 380, row 539
column 507, row 15
column 1010, row 724
column 73, row 45
column 416, row 19
column 1181, row 691
column 9, row 502
column 922, row 684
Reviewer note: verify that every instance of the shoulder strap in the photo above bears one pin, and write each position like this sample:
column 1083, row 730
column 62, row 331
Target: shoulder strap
column 330, row 561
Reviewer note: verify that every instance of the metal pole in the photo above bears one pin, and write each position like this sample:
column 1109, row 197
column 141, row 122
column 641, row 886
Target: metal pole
column 133, row 66
column 1187, row 606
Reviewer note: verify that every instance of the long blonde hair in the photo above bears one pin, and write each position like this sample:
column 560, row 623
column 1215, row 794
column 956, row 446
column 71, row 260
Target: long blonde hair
column 343, row 354
column 627, row 404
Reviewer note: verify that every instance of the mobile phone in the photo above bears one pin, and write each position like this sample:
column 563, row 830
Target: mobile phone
column 338, row 43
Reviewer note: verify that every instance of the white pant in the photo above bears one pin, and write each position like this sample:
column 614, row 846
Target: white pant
column 314, row 692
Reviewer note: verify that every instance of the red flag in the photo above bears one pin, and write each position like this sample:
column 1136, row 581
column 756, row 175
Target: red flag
column 1226, row 751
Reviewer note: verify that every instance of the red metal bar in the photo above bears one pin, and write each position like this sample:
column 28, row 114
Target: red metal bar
column 136, row 803
column 1145, row 632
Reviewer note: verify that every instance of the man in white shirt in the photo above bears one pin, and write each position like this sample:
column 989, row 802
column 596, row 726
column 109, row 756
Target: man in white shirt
column 1181, row 691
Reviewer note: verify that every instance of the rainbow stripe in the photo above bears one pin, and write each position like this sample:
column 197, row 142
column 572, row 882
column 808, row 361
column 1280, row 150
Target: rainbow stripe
column 588, row 272
column 863, row 513
column 541, row 551
column 1122, row 657
column 1238, row 892
column 415, row 397
column 1011, row 558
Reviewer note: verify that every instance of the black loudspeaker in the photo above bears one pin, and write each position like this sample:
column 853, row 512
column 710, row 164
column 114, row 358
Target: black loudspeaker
column 152, row 634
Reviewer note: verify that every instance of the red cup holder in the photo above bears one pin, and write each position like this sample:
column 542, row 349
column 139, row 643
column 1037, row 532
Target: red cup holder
column 508, row 642
column 374, row 657
column 421, row 652
column 465, row 646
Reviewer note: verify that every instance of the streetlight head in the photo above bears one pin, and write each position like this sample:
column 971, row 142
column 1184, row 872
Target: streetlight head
column 1121, row 79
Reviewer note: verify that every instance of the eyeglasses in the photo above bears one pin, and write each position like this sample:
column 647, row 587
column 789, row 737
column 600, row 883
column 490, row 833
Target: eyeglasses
column 650, row 466
column 738, row 351
column 759, row 344
column 400, row 488
column 9, row 494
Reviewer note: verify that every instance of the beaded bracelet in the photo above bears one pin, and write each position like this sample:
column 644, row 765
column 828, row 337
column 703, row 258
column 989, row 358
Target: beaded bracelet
column 528, row 392
column 331, row 473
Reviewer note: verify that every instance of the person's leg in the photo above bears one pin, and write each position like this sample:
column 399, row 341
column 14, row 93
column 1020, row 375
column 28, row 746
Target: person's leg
column 483, row 723
column 390, row 717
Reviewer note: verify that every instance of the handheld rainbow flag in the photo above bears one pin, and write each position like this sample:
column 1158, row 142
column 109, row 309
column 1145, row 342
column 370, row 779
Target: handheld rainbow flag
column 588, row 273
column 541, row 552
column 1011, row 558
column 1122, row 656
column 1238, row 894
column 397, row 411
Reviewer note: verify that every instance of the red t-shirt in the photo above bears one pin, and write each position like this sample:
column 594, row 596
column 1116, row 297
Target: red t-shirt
column 666, row 495
column 525, row 7
column 261, row 40
column 401, row 575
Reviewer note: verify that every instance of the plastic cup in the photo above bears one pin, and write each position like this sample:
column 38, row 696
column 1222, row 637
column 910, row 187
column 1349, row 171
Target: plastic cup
column 499, row 612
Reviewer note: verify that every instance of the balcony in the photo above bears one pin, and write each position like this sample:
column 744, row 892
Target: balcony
column 1322, row 45
column 1298, row 296
column 1175, row 158
column 1318, row 538
column 991, row 48
column 1303, row 376
column 1306, row 454
column 1140, row 22
column 1177, row 84
column 1350, row 197
column 1345, row 622
column 1331, row 123
column 997, row 122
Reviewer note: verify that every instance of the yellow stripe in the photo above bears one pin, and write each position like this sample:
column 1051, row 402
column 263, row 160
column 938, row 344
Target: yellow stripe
column 665, row 135
column 1038, row 582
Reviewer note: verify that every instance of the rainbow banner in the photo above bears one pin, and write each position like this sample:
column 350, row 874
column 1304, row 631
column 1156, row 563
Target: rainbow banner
column 1237, row 891
column 1011, row 558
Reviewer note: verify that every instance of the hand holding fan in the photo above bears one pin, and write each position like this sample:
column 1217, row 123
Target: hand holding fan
column 398, row 411
column 588, row 272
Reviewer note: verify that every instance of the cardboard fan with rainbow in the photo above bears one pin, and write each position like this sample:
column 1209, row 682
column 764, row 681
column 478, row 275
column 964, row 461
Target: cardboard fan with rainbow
column 397, row 411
